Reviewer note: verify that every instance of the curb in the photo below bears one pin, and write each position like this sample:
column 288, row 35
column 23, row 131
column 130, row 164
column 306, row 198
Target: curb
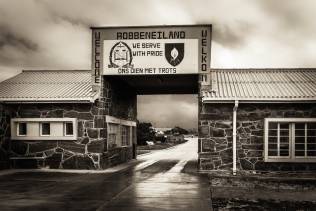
column 117, row 168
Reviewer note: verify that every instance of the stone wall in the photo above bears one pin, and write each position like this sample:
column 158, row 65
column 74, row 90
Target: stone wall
column 121, row 102
column 4, row 146
column 119, row 98
column 89, row 151
column 84, row 153
column 216, row 135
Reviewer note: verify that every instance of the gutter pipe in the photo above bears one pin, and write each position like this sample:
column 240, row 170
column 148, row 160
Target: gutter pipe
column 234, row 137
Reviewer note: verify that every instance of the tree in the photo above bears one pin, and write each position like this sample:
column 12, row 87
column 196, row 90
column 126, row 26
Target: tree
column 145, row 133
column 179, row 130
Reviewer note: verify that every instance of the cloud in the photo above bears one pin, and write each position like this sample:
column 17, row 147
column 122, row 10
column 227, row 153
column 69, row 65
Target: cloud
column 55, row 34
column 291, row 22
column 39, row 39
column 45, row 34
column 8, row 38
column 168, row 110
column 232, row 36
column 291, row 14
column 69, row 11
column 12, row 46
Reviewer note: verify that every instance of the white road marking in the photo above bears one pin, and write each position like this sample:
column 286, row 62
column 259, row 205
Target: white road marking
column 145, row 164
column 178, row 167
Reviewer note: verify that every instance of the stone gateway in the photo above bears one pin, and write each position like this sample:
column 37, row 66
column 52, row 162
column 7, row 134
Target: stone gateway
column 248, row 119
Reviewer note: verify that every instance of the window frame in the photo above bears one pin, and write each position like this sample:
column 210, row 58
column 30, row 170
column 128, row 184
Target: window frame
column 18, row 129
column 65, row 129
column 120, row 124
column 291, row 158
column 41, row 129
column 110, row 132
column 125, row 143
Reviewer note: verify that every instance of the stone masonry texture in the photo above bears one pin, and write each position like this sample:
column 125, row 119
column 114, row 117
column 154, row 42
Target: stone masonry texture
column 216, row 135
column 89, row 151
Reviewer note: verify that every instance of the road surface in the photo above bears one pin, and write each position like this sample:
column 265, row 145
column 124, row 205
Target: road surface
column 163, row 180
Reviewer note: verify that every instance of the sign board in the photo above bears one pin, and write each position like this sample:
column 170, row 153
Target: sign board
column 150, row 50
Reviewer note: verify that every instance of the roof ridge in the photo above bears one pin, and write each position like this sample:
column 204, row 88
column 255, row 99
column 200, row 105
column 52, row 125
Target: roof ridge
column 82, row 70
column 46, row 82
column 263, row 69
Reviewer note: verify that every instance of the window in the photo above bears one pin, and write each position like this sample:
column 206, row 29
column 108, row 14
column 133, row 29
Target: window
column 69, row 129
column 22, row 129
column 125, row 135
column 305, row 139
column 279, row 139
column 290, row 140
column 45, row 129
column 112, row 135
column 119, row 132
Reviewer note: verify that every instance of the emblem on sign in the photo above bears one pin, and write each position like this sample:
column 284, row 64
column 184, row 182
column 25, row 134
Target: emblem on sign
column 120, row 56
column 174, row 53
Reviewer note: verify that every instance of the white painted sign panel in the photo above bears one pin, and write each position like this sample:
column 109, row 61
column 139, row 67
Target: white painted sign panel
column 152, row 50
column 132, row 57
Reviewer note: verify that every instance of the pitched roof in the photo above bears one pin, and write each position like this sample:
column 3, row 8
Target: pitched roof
column 48, row 86
column 261, row 85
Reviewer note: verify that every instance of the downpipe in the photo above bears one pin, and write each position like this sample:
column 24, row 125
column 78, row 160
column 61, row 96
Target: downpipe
column 234, row 137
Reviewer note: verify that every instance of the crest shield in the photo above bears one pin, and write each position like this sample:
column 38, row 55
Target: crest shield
column 174, row 53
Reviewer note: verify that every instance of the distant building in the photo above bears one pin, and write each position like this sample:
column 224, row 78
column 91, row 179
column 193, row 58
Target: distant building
column 157, row 129
column 175, row 138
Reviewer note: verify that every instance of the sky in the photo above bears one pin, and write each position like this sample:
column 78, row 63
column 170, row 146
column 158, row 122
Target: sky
column 55, row 34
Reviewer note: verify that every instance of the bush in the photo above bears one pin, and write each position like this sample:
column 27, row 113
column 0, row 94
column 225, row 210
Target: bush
column 145, row 133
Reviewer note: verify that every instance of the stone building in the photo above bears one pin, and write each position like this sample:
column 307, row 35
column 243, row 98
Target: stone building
column 54, row 119
column 249, row 119
column 259, row 120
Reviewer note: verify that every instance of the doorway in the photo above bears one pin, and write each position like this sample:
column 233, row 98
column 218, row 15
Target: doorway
column 169, row 103
column 166, row 121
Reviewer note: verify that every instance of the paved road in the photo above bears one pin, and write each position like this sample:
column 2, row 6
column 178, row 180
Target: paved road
column 164, row 180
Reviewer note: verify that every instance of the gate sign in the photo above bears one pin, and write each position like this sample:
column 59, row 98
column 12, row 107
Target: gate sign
column 151, row 50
